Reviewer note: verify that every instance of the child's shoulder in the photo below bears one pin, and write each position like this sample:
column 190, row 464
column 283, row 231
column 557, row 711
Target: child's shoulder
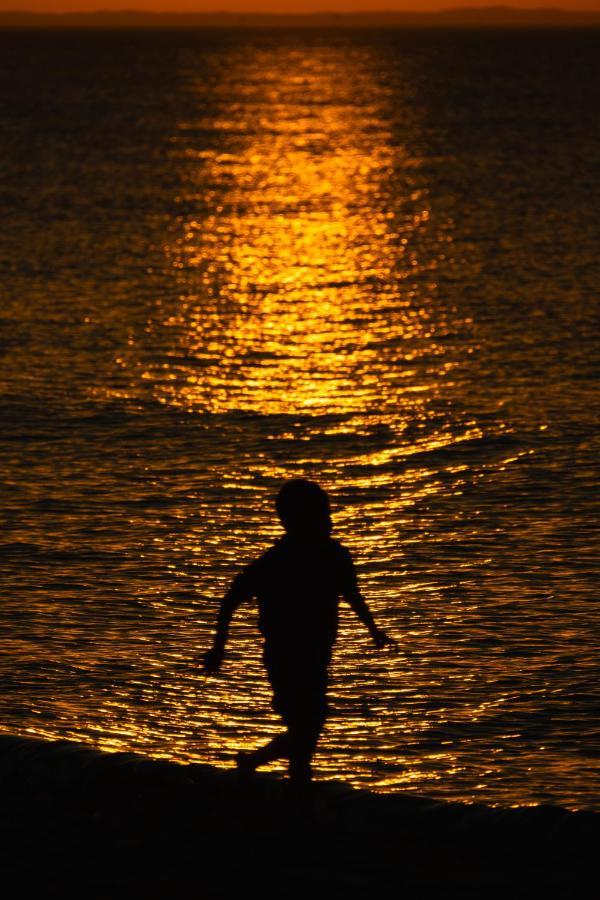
column 282, row 546
column 268, row 556
column 338, row 548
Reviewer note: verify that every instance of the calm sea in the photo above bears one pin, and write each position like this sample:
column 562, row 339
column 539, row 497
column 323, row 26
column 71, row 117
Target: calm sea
column 371, row 259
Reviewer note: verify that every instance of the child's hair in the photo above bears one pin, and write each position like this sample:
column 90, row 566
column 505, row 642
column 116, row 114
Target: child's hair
column 301, row 503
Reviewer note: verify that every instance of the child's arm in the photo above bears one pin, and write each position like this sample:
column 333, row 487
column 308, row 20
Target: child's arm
column 358, row 603
column 239, row 591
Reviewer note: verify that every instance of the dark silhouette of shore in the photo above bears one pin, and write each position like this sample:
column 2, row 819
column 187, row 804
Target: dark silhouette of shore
column 77, row 822
column 465, row 17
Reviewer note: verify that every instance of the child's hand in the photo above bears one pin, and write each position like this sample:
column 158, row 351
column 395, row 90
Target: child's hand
column 381, row 639
column 211, row 662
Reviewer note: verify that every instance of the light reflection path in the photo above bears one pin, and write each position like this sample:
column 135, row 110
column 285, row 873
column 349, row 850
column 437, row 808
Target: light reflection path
column 308, row 289
column 303, row 264
column 307, row 285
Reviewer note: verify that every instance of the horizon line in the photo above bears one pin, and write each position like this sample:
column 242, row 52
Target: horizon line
column 498, row 7
column 325, row 12
column 490, row 17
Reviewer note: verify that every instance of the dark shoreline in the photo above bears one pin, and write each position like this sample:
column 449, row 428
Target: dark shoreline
column 77, row 822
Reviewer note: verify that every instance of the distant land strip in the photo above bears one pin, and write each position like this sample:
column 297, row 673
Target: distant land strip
column 467, row 17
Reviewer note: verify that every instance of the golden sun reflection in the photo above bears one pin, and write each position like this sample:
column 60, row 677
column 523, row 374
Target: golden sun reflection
column 299, row 272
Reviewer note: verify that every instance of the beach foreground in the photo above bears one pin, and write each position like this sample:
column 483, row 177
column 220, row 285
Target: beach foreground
column 78, row 822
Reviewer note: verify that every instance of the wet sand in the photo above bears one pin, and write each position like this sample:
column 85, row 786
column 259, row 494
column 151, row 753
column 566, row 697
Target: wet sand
column 80, row 823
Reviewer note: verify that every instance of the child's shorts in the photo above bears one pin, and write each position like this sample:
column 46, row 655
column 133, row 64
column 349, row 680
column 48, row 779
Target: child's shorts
column 299, row 688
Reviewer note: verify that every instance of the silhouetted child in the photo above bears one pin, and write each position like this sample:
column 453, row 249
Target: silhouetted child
column 298, row 583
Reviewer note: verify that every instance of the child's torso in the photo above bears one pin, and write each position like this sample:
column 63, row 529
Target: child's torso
column 298, row 586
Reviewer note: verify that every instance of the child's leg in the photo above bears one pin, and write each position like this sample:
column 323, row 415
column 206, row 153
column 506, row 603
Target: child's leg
column 299, row 697
column 303, row 736
column 297, row 744
column 278, row 748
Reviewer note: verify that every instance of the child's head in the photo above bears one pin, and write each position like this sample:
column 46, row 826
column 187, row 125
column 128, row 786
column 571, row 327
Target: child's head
column 303, row 508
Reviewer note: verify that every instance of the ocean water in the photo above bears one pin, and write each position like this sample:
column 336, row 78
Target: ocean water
column 232, row 258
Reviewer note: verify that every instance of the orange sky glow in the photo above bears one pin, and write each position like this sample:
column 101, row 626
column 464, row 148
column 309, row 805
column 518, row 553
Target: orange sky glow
column 283, row 6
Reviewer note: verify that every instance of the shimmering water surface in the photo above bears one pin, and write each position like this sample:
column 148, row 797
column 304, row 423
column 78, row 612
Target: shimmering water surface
column 372, row 259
